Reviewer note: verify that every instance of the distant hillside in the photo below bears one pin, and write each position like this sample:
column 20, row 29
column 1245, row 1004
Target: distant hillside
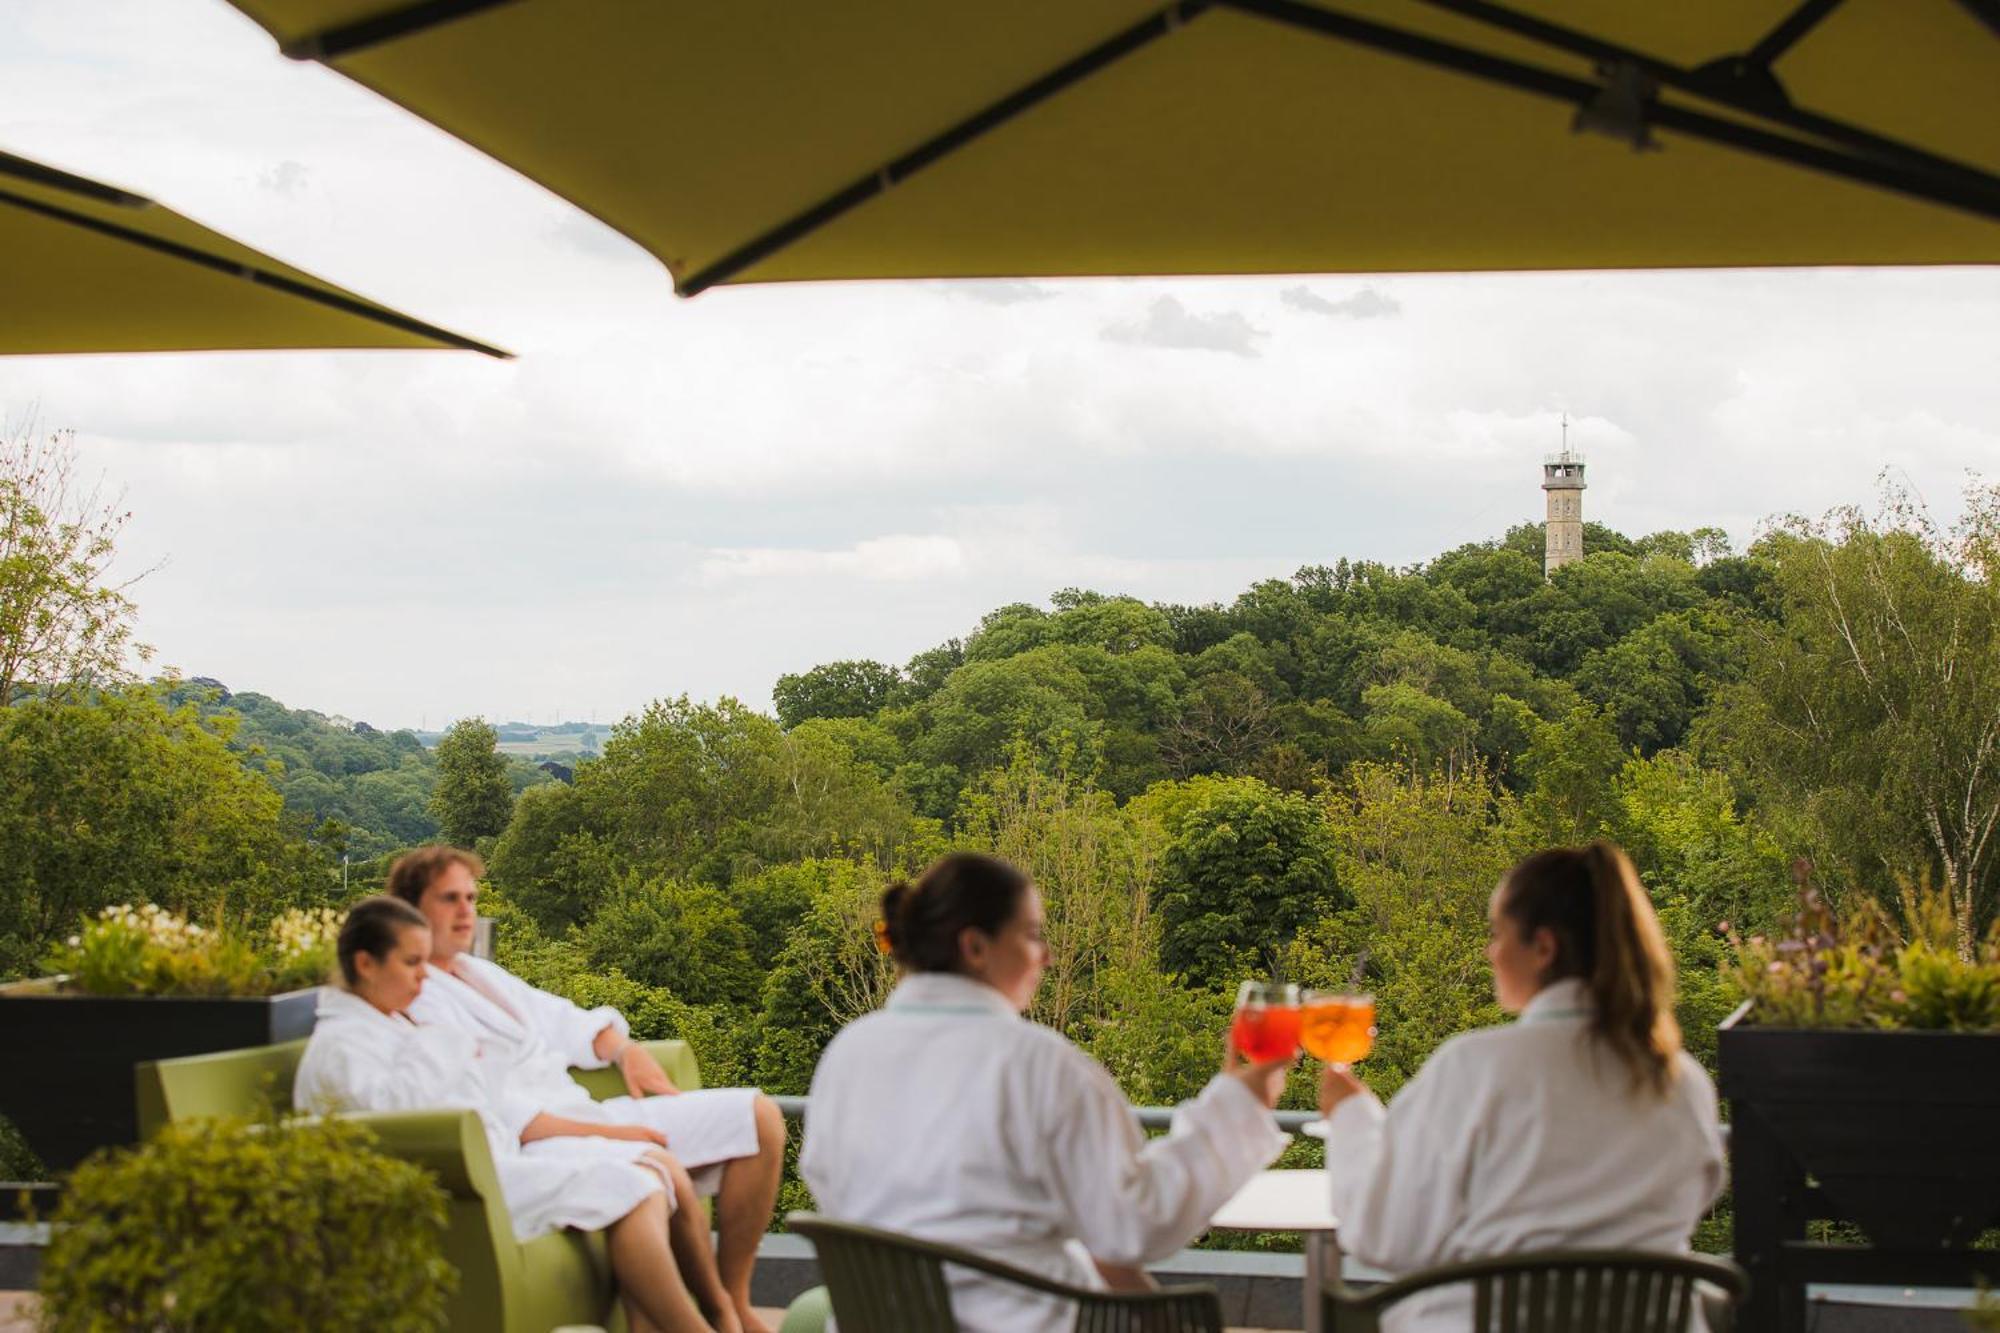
column 565, row 741
column 352, row 787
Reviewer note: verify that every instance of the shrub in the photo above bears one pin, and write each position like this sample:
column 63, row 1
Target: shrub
column 1858, row 972
column 249, row 1226
column 149, row 951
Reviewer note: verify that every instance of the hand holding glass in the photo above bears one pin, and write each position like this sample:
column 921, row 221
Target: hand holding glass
column 1266, row 1025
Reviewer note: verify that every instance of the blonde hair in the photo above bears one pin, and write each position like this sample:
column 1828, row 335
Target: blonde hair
column 1591, row 901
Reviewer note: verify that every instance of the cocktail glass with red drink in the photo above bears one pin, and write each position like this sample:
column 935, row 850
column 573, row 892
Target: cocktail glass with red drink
column 1266, row 1025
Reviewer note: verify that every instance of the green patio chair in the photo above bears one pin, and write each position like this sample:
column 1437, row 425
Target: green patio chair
column 1560, row 1291
column 883, row 1282
column 504, row 1286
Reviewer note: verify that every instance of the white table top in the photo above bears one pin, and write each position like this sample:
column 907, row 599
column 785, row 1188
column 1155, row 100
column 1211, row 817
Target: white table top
column 1280, row 1201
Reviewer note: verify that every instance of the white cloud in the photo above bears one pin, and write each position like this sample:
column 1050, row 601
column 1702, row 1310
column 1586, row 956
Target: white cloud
column 1364, row 304
column 896, row 559
column 1168, row 323
column 663, row 496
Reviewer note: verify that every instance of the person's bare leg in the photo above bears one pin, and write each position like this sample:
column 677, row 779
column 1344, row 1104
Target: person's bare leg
column 643, row 1265
column 743, row 1209
column 687, row 1232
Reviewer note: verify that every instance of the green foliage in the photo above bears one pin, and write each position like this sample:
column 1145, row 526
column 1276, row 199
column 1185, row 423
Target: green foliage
column 17, row 1160
column 249, row 1227
column 65, row 628
column 686, row 937
column 123, row 799
column 1830, row 970
column 1419, row 853
column 150, row 951
column 473, row 797
column 1244, row 868
column 1870, row 716
column 838, row 689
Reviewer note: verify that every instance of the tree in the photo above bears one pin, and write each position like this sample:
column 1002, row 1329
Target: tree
column 685, row 937
column 1094, row 873
column 1245, row 867
column 1871, row 713
column 1569, row 771
column 473, row 798
column 1418, row 856
column 837, row 689
column 64, row 625
column 122, row 799
column 683, row 788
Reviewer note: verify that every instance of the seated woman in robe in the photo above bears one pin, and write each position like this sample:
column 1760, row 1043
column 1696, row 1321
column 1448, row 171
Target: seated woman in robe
column 366, row 1055
column 947, row 1115
column 1583, row 1125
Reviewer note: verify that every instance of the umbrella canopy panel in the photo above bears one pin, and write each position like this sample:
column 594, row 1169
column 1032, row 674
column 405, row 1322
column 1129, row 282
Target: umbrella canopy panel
column 764, row 140
column 90, row 268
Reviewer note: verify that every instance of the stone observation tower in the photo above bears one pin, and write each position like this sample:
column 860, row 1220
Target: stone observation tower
column 1562, row 478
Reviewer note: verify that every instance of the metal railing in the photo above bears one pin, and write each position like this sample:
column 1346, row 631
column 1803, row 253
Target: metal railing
column 1150, row 1117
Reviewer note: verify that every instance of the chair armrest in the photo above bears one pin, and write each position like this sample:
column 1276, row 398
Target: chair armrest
column 450, row 1144
column 1718, row 1308
column 806, row 1223
column 1719, row 1281
column 676, row 1057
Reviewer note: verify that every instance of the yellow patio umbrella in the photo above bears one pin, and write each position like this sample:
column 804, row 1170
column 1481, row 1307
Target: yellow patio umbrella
column 773, row 140
column 87, row 267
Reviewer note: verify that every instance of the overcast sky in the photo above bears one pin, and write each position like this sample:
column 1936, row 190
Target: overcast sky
column 664, row 496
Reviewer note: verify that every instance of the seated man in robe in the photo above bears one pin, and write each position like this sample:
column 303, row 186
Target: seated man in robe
column 731, row 1140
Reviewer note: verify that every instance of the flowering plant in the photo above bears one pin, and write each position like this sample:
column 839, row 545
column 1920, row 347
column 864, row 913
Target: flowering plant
column 1859, row 970
column 148, row 950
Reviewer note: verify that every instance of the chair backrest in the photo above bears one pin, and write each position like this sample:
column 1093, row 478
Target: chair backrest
column 880, row 1280
column 239, row 1082
column 1562, row 1291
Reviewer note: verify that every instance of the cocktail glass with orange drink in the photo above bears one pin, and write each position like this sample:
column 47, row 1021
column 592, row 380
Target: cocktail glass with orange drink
column 1337, row 1028
column 1266, row 1024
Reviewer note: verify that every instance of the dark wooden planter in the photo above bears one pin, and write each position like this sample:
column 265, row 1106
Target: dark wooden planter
column 66, row 1060
column 1893, row 1132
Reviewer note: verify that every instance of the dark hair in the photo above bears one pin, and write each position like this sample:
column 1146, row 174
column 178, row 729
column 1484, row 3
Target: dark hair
column 1591, row 901
column 958, row 890
column 372, row 927
column 418, row 870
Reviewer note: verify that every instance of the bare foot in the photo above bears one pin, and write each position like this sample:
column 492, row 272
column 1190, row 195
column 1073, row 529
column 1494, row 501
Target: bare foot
column 726, row 1320
column 751, row 1323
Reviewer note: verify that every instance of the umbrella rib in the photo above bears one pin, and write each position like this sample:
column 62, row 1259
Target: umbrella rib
column 1156, row 25
column 1986, row 11
column 1786, row 35
column 1742, row 83
column 250, row 273
column 22, row 168
column 1972, row 191
column 394, row 25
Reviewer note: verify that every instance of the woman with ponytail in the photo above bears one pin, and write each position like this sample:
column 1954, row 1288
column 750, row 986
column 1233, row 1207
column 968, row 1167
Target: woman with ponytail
column 948, row 1116
column 1583, row 1125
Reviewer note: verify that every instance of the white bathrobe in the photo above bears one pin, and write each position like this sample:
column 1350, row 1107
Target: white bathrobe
column 947, row 1116
column 533, row 1039
column 1524, row 1137
column 361, row 1059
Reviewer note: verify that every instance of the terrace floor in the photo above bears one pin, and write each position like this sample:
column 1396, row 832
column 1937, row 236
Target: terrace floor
column 17, row 1314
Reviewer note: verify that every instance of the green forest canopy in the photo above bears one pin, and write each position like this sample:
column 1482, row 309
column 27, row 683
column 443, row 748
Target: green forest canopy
column 1336, row 763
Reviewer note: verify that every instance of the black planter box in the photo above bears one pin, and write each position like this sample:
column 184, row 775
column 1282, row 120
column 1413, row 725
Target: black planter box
column 66, row 1060
column 1893, row 1132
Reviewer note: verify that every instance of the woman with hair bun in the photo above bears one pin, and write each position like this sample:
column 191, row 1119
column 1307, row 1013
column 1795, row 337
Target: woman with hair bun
column 1583, row 1125
column 946, row 1115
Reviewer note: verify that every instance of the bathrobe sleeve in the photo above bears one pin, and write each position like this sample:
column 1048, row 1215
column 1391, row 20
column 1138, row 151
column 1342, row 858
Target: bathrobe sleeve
column 1134, row 1200
column 566, row 1027
column 1398, row 1175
